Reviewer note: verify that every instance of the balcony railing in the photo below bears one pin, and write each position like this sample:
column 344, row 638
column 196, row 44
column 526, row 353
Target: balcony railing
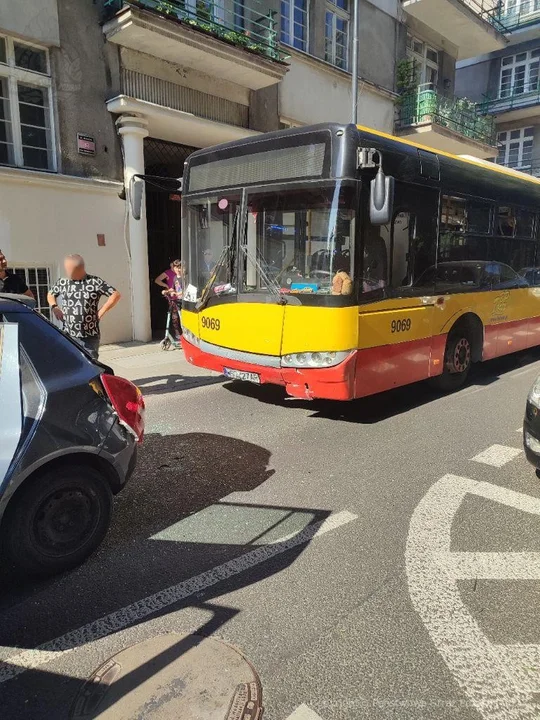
column 252, row 26
column 490, row 11
column 525, row 14
column 514, row 98
column 424, row 105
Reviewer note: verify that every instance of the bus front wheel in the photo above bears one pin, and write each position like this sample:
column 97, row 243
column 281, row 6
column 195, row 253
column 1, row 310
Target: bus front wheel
column 457, row 361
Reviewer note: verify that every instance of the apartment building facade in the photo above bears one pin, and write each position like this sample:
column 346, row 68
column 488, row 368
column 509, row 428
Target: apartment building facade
column 440, row 34
column 95, row 93
column 506, row 84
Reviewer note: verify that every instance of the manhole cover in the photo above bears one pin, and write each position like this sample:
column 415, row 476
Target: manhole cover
column 172, row 677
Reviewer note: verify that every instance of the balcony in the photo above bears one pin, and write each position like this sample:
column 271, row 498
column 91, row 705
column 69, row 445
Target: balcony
column 517, row 103
column 452, row 125
column 522, row 18
column 222, row 38
column 473, row 26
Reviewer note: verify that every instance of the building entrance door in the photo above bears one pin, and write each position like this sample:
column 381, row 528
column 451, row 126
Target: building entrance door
column 165, row 161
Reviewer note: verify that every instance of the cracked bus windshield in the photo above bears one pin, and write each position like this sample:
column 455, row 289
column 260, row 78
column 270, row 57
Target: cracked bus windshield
column 212, row 224
column 292, row 241
column 300, row 241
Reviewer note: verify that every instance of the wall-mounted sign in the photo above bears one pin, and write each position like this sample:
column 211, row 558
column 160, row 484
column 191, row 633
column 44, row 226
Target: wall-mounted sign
column 86, row 144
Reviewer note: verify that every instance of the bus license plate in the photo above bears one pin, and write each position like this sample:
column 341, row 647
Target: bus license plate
column 241, row 375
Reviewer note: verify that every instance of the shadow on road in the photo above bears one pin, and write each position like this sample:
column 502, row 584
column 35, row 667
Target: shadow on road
column 170, row 526
column 376, row 408
column 162, row 384
column 41, row 694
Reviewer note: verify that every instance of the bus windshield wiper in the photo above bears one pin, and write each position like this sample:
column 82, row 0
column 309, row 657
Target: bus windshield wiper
column 228, row 252
column 271, row 285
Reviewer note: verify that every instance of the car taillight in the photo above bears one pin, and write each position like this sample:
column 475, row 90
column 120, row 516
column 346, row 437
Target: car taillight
column 127, row 400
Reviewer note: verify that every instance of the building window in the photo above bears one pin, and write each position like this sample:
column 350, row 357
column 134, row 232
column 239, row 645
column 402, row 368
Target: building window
column 515, row 148
column 285, row 124
column 25, row 106
column 336, row 33
column 38, row 280
column 521, row 8
column 520, row 73
column 426, row 61
column 294, row 23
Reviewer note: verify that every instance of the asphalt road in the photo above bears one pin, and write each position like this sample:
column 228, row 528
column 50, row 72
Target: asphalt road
column 418, row 598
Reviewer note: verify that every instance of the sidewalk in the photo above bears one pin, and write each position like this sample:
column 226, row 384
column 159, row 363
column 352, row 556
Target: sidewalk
column 155, row 371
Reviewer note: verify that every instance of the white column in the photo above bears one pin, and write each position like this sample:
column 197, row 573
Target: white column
column 133, row 130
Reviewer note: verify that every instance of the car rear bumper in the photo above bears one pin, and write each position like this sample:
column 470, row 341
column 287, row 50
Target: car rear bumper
column 120, row 451
column 331, row 383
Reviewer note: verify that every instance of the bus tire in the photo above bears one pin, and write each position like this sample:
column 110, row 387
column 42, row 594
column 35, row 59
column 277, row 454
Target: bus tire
column 458, row 357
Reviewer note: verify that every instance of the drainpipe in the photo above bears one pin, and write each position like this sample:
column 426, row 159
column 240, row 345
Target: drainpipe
column 356, row 30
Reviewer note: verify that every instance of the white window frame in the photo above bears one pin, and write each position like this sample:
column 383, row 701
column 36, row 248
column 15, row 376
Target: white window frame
column 19, row 268
column 286, row 124
column 15, row 75
column 515, row 7
column 421, row 61
column 530, row 62
column 345, row 15
column 294, row 41
column 504, row 144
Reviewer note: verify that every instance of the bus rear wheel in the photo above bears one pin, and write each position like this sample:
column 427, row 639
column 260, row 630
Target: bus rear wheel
column 457, row 362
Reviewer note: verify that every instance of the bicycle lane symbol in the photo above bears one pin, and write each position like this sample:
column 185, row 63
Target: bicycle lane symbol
column 499, row 680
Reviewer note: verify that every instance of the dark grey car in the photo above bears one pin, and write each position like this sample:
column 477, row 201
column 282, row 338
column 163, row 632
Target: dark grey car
column 68, row 437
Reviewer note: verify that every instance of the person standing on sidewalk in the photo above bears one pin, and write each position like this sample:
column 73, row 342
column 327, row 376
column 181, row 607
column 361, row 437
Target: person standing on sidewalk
column 10, row 282
column 81, row 293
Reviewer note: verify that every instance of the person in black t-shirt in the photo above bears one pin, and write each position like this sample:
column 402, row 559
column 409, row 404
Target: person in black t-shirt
column 11, row 283
column 81, row 293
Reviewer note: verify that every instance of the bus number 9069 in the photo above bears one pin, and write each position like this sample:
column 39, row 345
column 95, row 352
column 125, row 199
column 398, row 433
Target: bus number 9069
column 210, row 323
column 401, row 325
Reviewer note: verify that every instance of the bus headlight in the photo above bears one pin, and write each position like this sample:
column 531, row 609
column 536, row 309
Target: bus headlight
column 314, row 359
column 534, row 395
column 190, row 337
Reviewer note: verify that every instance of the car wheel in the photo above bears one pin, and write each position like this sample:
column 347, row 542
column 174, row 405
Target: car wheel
column 57, row 521
column 457, row 362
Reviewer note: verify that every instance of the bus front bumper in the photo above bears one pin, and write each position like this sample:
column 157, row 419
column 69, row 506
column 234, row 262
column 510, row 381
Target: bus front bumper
column 330, row 383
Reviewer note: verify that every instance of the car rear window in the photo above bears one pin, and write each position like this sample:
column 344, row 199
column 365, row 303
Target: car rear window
column 49, row 350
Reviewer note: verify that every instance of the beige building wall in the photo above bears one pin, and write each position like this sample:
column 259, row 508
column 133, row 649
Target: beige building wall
column 314, row 92
column 36, row 19
column 44, row 217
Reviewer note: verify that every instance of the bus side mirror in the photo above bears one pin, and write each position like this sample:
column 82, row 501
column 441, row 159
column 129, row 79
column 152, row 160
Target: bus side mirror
column 381, row 198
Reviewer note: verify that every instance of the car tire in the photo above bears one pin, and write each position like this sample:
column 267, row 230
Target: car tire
column 57, row 521
column 457, row 362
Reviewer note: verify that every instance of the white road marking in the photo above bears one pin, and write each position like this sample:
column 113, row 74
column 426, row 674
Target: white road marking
column 523, row 371
column 505, row 496
column 495, row 678
column 491, row 566
column 15, row 664
column 526, row 661
column 304, row 713
column 519, row 430
column 497, row 455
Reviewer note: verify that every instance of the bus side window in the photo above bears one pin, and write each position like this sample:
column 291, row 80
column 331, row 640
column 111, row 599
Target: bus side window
column 507, row 221
column 402, row 232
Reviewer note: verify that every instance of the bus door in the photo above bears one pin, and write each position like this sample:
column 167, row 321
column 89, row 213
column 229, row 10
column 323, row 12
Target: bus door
column 397, row 301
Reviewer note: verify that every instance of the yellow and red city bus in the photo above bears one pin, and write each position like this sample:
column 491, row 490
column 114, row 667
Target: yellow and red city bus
column 340, row 262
